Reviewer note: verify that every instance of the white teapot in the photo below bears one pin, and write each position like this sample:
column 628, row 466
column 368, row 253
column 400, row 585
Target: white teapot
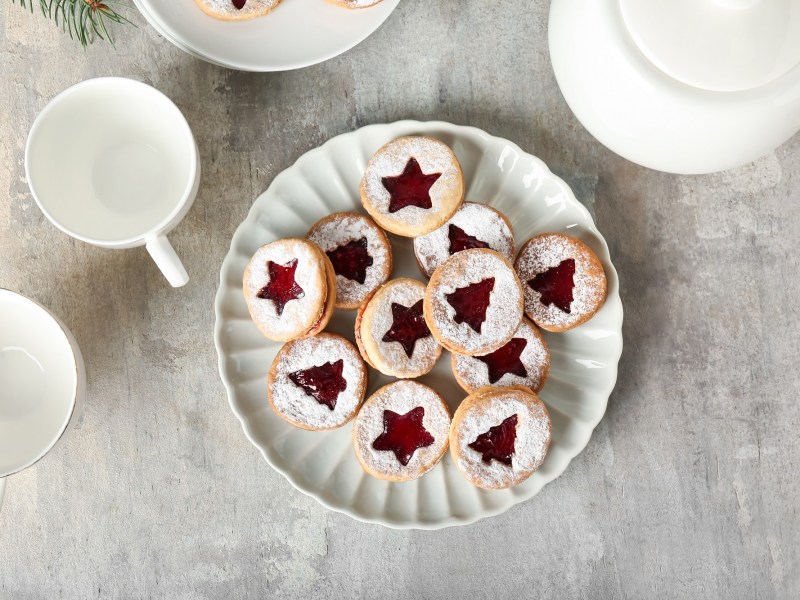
column 685, row 86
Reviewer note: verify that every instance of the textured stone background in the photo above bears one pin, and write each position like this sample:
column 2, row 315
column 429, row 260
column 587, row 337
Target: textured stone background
column 688, row 489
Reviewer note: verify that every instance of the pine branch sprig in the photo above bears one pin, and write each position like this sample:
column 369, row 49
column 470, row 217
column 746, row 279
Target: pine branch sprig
column 82, row 19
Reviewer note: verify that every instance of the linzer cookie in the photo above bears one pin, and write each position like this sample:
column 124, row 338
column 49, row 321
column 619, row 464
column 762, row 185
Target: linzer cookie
column 317, row 383
column 237, row 10
column 500, row 436
column 473, row 226
column 401, row 431
column 360, row 253
column 473, row 302
column 523, row 360
column 563, row 280
column 290, row 289
column 412, row 185
column 392, row 333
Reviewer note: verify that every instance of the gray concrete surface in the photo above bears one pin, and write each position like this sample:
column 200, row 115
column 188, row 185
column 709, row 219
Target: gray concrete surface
column 688, row 489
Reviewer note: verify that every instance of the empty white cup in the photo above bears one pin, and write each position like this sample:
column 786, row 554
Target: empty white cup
column 42, row 383
column 112, row 162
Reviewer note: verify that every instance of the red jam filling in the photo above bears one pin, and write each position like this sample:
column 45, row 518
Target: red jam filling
column 498, row 442
column 351, row 260
column 411, row 188
column 323, row 383
column 403, row 434
column 556, row 284
column 506, row 360
column 471, row 303
column 408, row 326
column 461, row 240
column 282, row 288
column 239, row 4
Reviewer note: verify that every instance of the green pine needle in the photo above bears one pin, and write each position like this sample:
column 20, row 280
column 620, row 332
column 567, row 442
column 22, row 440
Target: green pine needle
column 82, row 19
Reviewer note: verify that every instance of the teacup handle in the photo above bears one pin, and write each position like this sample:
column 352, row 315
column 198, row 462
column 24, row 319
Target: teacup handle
column 2, row 490
column 167, row 260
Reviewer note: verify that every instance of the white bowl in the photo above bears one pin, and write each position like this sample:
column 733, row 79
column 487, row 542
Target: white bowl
column 298, row 33
column 323, row 464
column 43, row 382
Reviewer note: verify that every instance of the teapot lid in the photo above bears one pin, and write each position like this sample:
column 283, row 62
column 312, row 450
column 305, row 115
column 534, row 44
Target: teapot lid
column 720, row 45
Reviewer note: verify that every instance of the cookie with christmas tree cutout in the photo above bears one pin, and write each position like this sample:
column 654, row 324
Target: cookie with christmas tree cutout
column 564, row 281
column 500, row 436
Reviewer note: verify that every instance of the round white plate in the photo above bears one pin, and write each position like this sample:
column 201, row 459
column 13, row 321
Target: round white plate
column 298, row 33
column 323, row 464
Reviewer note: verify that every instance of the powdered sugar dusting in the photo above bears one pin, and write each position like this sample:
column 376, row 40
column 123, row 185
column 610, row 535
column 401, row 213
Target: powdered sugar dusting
column 292, row 400
column 530, row 447
column 477, row 220
column 251, row 8
column 550, row 250
column 378, row 316
column 535, row 357
column 357, row 3
column 432, row 155
column 340, row 229
column 503, row 314
column 310, row 275
column 401, row 397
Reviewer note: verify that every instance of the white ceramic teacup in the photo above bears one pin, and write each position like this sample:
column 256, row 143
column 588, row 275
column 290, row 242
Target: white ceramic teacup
column 112, row 162
column 42, row 383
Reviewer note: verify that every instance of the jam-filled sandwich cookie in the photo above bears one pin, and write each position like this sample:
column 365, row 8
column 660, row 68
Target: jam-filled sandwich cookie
column 412, row 185
column 391, row 331
column 473, row 226
column 473, row 302
column 317, row 383
column 564, row 282
column 523, row 360
column 290, row 289
column 237, row 10
column 500, row 436
column 360, row 253
column 401, row 431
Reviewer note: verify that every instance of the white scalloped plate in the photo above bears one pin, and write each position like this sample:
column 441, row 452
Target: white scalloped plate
column 322, row 464
column 298, row 33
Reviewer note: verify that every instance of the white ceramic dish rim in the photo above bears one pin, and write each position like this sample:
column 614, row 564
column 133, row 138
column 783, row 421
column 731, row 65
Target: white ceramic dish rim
column 77, row 394
column 185, row 46
column 613, row 359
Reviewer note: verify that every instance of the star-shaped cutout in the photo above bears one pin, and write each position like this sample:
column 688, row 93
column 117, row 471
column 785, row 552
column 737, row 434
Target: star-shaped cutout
column 556, row 285
column 411, row 188
column 323, row 383
column 281, row 287
column 239, row 4
column 506, row 360
column 403, row 434
column 461, row 240
column 498, row 442
column 351, row 260
column 471, row 303
column 408, row 326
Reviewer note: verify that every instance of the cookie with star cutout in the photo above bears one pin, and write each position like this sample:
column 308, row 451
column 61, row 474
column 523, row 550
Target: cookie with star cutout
column 355, row 4
column 360, row 253
column 237, row 10
column 317, row 383
column 563, row 280
column 290, row 289
column 401, row 431
column 500, row 436
column 412, row 185
column 391, row 331
column 523, row 360
column 473, row 226
column 473, row 302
